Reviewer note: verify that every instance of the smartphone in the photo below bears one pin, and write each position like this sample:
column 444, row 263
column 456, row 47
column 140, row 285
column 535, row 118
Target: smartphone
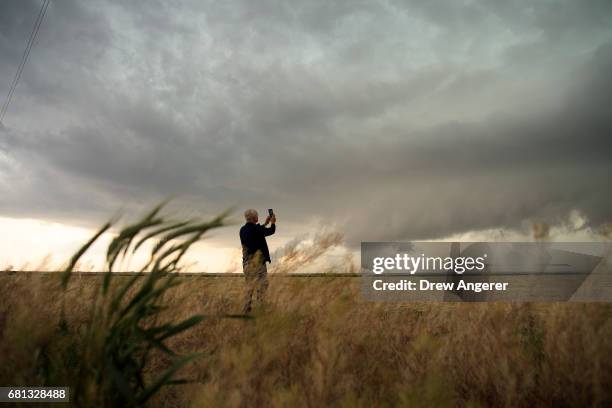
column 270, row 212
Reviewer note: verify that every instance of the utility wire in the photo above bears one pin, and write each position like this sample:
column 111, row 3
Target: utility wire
column 24, row 58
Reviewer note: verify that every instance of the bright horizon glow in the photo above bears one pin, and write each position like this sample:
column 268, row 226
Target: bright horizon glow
column 46, row 245
column 35, row 244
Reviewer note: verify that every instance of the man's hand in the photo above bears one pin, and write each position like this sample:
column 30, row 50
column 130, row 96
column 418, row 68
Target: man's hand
column 270, row 219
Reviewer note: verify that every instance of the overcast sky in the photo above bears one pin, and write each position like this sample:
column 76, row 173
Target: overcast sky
column 391, row 120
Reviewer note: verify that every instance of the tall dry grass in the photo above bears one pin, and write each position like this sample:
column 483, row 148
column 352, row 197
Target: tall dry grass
column 105, row 354
column 315, row 343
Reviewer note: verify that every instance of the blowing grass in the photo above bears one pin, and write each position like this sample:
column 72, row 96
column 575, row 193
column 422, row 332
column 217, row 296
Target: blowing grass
column 315, row 343
column 104, row 355
column 165, row 339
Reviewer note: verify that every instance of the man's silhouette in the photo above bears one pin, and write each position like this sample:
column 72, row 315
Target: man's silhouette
column 255, row 254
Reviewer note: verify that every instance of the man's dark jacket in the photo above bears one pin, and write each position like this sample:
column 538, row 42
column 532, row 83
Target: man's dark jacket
column 253, row 239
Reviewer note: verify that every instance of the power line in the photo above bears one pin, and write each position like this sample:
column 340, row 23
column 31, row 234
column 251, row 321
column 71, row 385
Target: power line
column 24, row 58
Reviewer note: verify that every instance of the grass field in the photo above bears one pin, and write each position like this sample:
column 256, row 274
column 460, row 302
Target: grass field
column 316, row 343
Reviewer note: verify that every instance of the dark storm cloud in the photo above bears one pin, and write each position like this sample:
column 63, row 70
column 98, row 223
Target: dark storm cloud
column 393, row 120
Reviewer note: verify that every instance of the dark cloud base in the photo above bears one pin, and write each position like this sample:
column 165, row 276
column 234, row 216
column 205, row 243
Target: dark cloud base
column 257, row 125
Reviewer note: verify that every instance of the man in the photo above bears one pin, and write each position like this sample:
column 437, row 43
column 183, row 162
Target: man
column 255, row 254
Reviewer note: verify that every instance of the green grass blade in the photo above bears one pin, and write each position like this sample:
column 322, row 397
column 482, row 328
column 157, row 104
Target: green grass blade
column 182, row 326
column 75, row 258
column 164, row 378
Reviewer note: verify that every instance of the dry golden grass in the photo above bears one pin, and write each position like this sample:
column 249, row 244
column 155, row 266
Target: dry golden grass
column 316, row 343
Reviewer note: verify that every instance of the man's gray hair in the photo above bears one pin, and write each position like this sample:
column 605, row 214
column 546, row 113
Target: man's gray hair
column 250, row 214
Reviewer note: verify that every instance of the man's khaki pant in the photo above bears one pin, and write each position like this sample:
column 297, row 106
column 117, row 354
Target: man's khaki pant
column 256, row 276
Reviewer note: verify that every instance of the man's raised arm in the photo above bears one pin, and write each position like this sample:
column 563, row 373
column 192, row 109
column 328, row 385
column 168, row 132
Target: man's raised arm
column 270, row 230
